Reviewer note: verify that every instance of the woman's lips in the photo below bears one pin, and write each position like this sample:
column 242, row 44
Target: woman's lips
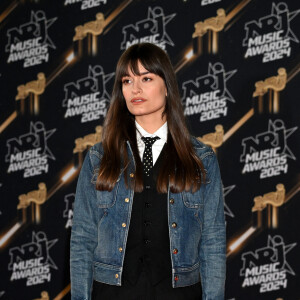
column 137, row 100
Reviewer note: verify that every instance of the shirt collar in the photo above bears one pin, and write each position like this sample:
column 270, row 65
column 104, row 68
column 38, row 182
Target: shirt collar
column 161, row 132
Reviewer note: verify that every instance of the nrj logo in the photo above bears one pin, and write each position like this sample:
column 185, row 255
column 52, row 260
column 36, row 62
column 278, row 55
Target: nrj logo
column 32, row 261
column 268, row 152
column 68, row 212
column 207, row 95
column 267, row 267
column 271, row 35
column 151, row 30
column 30, row 41
column 85, row 4
column 87, row 96
column 30, row 152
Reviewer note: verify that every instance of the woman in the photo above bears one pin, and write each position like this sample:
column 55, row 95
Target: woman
column 148, row 216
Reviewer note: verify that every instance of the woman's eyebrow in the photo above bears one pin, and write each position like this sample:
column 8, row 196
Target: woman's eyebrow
column 142, row 73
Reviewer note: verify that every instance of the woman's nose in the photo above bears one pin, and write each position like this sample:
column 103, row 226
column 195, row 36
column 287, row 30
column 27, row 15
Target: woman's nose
column 136, row 87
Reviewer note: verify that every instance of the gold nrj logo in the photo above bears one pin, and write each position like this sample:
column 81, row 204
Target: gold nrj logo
column 81, row 144
column 272, row 85
column 210, row 28
column 213, row 139
column 33, row 89
column 34, row 198
column 271, row 201
column 92, row 30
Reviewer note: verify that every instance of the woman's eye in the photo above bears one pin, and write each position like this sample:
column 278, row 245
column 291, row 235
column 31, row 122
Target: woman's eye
column 147, row 79
column 125, row 81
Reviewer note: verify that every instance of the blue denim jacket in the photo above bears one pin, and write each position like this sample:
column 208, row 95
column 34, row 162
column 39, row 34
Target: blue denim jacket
column 101, row 222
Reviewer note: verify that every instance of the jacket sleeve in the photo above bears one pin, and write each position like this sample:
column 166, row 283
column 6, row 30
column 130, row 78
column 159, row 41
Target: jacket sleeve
column 213, row 240
column 84, row 234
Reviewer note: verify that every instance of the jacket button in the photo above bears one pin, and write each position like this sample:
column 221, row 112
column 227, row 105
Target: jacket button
column 131, row 175
column 117, row 275
column 175, row 251
column 127, row 200
column 174, row 225
column 172, row 201
column 123, row 224
column 176, row 278
column 120, row 249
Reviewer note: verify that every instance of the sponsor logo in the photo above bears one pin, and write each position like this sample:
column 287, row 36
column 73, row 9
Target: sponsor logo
column 271, row 35
column 85, row 4
column 32, row 261
column 30, row 42
column 150, row 30
column 208, row 96
column 68, row 212
column 207, row 2
column 268, row 152
column 267, row 267
column 87, row 97
column 29, row 152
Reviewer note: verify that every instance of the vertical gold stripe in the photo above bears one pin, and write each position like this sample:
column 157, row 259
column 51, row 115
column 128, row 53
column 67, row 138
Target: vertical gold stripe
column 269, row 215
column 259, row 218
column 274, row 217
column 209, row 41
column 215, row 36
column 36, row 104
column 270, row 99
column 276, row 102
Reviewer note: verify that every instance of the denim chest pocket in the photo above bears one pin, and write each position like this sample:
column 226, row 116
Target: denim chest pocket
column 193, row 200
column 105, row 199
column 196, row 200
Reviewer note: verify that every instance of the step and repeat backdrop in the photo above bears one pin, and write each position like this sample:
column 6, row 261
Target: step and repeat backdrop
column 237, row 64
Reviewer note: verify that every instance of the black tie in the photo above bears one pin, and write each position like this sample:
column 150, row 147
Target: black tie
column 147, row 156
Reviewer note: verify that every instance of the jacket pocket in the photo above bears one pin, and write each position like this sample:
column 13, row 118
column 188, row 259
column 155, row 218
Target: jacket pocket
column 105, row 199
column 193, row 200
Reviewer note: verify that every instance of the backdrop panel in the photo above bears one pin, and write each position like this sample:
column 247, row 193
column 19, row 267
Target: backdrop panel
column 237, row 64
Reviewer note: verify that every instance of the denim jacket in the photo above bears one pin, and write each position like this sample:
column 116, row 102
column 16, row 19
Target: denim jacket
column 101, row 223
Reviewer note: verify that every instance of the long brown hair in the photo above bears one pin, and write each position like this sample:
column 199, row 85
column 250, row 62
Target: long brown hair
column 182, row 169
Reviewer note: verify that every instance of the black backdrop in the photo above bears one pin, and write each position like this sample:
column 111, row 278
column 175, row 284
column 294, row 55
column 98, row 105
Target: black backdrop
column 238, row 69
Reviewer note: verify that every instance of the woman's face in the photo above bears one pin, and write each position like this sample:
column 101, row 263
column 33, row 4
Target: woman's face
column 145, row 94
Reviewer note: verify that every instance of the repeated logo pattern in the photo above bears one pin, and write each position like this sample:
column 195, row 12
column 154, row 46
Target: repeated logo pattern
column 237, row 68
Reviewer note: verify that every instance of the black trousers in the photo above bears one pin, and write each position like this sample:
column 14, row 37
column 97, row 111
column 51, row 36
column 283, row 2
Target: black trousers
column 143, row 290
